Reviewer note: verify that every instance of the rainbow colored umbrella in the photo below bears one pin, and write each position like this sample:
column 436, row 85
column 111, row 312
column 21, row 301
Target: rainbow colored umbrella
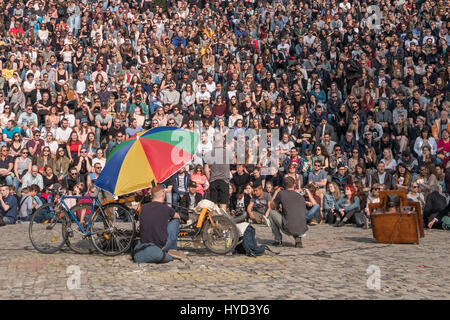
column 150, row 158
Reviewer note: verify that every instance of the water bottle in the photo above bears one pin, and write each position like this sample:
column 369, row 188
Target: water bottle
column 228, row 240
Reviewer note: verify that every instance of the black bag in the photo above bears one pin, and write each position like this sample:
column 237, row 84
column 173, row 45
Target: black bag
column 2, row 223
column 248, row 245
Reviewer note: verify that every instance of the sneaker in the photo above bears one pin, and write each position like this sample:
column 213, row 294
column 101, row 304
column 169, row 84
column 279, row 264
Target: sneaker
column 298, row 242
column 277, row 243
column 180, row 255
column 313, row 222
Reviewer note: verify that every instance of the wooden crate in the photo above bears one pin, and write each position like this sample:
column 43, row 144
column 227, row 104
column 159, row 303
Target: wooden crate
column 395, row 228
column 404, row 225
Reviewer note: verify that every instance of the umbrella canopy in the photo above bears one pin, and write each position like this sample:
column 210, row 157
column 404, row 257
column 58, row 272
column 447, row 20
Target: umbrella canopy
column 148, row 159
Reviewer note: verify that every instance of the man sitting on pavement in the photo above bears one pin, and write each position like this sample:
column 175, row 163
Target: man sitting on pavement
column 259, row 205
column 292, row 218
column 159, row 230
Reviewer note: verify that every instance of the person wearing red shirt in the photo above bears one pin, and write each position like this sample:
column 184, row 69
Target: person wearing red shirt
column 73, row 147
column 443, row 148
column 17, row 28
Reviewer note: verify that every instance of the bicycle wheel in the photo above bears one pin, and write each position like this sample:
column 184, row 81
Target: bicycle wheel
column 75, row 239
column 223, row 237
column 46, row 228
column 113, row 229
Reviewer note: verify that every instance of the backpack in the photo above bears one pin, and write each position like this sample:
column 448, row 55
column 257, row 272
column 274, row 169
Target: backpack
column 248, row 245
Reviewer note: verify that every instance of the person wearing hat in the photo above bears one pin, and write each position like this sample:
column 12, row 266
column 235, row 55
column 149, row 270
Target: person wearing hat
column 189, row 201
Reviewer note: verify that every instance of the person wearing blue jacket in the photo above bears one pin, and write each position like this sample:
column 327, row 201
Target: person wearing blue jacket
column 180, row 183
column 330, row 200
column 348, row 206
column 179, row 41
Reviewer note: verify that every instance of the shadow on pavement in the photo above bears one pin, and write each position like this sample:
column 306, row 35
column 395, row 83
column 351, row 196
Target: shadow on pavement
column 362, row 240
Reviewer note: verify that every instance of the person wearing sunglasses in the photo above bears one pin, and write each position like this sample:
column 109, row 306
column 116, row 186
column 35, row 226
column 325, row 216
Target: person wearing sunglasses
column 35, row 144
column 93, row 176
column 71, row 179
column 84, row 163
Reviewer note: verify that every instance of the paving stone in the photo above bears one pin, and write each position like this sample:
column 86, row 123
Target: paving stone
column 332, row 265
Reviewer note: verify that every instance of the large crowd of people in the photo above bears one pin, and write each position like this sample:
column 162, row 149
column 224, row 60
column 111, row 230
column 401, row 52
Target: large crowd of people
column 359, row 103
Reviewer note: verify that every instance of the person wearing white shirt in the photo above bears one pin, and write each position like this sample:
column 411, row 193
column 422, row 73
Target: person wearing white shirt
column 29, row 84
column 63, row 133
column 210, row 85
column 67, row 115
column 2, row 102
column 202, row 95
column 203, row 148
column 346, row 6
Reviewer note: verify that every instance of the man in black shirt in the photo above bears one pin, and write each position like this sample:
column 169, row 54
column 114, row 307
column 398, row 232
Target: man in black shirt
column 240, row 178
column 114, row 130
column 159, row 227
column 84, row 114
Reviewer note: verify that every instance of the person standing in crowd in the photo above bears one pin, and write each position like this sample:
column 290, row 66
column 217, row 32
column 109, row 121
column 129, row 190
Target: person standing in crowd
column 217, row 170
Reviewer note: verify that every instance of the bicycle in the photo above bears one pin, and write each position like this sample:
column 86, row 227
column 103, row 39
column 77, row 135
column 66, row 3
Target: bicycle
column 218, row 231
column 110, row 228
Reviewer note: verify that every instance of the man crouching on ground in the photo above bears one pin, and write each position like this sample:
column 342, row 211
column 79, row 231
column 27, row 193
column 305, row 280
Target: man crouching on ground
column 292, row 219
column 159, row 230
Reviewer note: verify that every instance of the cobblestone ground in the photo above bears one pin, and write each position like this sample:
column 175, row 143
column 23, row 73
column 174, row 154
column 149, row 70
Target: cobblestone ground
column 333, row 265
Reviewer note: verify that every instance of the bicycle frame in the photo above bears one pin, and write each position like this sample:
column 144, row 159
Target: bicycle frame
column 195, row 228
column 94, row 202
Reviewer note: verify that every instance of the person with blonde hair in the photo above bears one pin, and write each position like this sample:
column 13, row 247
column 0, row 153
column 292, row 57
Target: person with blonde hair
column 330, row 207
